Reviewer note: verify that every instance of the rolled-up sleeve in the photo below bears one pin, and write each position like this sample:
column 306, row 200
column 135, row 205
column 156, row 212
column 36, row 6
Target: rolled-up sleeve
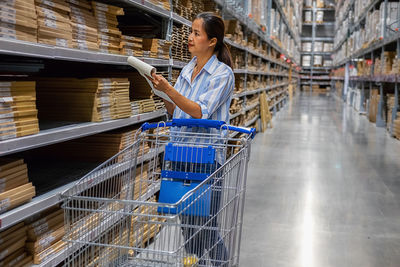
column 217, row 92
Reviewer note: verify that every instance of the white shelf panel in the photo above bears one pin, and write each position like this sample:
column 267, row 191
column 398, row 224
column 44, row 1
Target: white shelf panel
column 65, row 133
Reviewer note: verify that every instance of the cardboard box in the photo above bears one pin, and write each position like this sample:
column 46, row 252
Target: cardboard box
column 59, row 6
column 15, row 197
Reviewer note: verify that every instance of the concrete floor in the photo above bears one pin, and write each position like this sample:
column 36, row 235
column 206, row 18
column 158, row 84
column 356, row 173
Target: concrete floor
column 323, row 190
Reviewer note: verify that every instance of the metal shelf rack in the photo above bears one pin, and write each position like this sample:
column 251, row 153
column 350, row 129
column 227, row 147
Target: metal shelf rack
column 15, row 48
column 388, row 39
column 312, row 71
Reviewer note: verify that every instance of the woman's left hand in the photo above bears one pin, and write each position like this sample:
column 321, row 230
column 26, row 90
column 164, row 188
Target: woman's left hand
column 160, row 83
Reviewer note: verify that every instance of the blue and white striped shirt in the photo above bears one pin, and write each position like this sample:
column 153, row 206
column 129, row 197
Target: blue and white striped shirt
column 212, row 89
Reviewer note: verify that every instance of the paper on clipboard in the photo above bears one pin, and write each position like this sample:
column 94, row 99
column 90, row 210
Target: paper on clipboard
column 146, row 69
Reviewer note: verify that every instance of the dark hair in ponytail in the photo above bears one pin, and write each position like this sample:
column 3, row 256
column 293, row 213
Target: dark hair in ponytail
column 215, row 28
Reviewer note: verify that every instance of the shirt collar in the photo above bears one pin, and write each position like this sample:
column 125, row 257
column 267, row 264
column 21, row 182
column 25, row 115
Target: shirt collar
column 210, row 66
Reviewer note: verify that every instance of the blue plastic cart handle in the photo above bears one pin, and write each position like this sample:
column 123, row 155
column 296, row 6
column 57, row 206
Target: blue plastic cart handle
column 199, row 123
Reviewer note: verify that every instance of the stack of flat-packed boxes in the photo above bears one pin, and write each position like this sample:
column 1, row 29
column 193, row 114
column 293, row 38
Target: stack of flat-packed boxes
column 18, row 20
column 12, row 243
column 54, row 24
column 18, row 113
column 162, row 3
column 45, row 234
column 15, row 188
column 156, row 48
column 132, row 46
column 180, row 50
column 84, row 25
column 98, row 147
column 93, row 99
column 234, row 31
column 107, row 23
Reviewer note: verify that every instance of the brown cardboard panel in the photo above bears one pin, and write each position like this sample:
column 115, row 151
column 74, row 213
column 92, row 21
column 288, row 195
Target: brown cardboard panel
column 12, row 245
column 107, row 8
column 45, row 12
column 16, row 182
column 49, row 27
column 83, row 4
column 18, row 19
column 19, row 5
column 52, row 223
column 8, row 28
column 56, row 42
column 7, row 234
column 9, row 163
column 16, row 170
column 59, row 5
column 14, row 258
column 45, row 240
column 45, row 217
column 26, row 262
column 16, row 192
column 22, row 174
column 58, row 246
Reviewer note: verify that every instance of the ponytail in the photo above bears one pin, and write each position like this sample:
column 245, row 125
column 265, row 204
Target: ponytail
column 224, row 55
column 215, row 28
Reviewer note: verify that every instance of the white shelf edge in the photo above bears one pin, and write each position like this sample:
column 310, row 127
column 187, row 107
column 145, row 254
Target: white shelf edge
column 61, row 134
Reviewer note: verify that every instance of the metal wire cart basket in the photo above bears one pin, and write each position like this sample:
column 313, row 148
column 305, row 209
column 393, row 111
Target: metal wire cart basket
column 175, row 197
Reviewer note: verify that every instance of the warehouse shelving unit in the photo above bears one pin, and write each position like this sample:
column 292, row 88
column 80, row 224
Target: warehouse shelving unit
column 56, row 134
column 316, row 31
column 264, row 37
column 348, row 58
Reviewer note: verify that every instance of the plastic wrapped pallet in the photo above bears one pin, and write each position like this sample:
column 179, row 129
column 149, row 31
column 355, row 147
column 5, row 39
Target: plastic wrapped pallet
column 327, row 63
column 18, row 113
column 317, row 60
column 319, row 16
column 328, row 47
column 18, row 20
column 306, row 61
column 54, row 24
column 307, row 46
column 318, row 46
column 308, row 16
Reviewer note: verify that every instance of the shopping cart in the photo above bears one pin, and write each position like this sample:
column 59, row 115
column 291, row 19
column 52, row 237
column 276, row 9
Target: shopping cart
column 196, row 169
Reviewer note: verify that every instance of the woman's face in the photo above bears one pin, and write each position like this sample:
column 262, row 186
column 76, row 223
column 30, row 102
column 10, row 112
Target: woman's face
column 198, row 42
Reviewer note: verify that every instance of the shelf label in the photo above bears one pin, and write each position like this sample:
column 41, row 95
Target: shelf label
column 49, row 13
column 62, row 42
column 50, row 23
column 48, row 2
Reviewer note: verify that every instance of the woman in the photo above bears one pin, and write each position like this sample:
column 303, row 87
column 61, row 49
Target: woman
column 204, row 87
column 203, row 91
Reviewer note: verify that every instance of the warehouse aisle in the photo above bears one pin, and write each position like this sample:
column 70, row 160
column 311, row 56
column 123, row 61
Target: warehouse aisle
column 323, row 190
